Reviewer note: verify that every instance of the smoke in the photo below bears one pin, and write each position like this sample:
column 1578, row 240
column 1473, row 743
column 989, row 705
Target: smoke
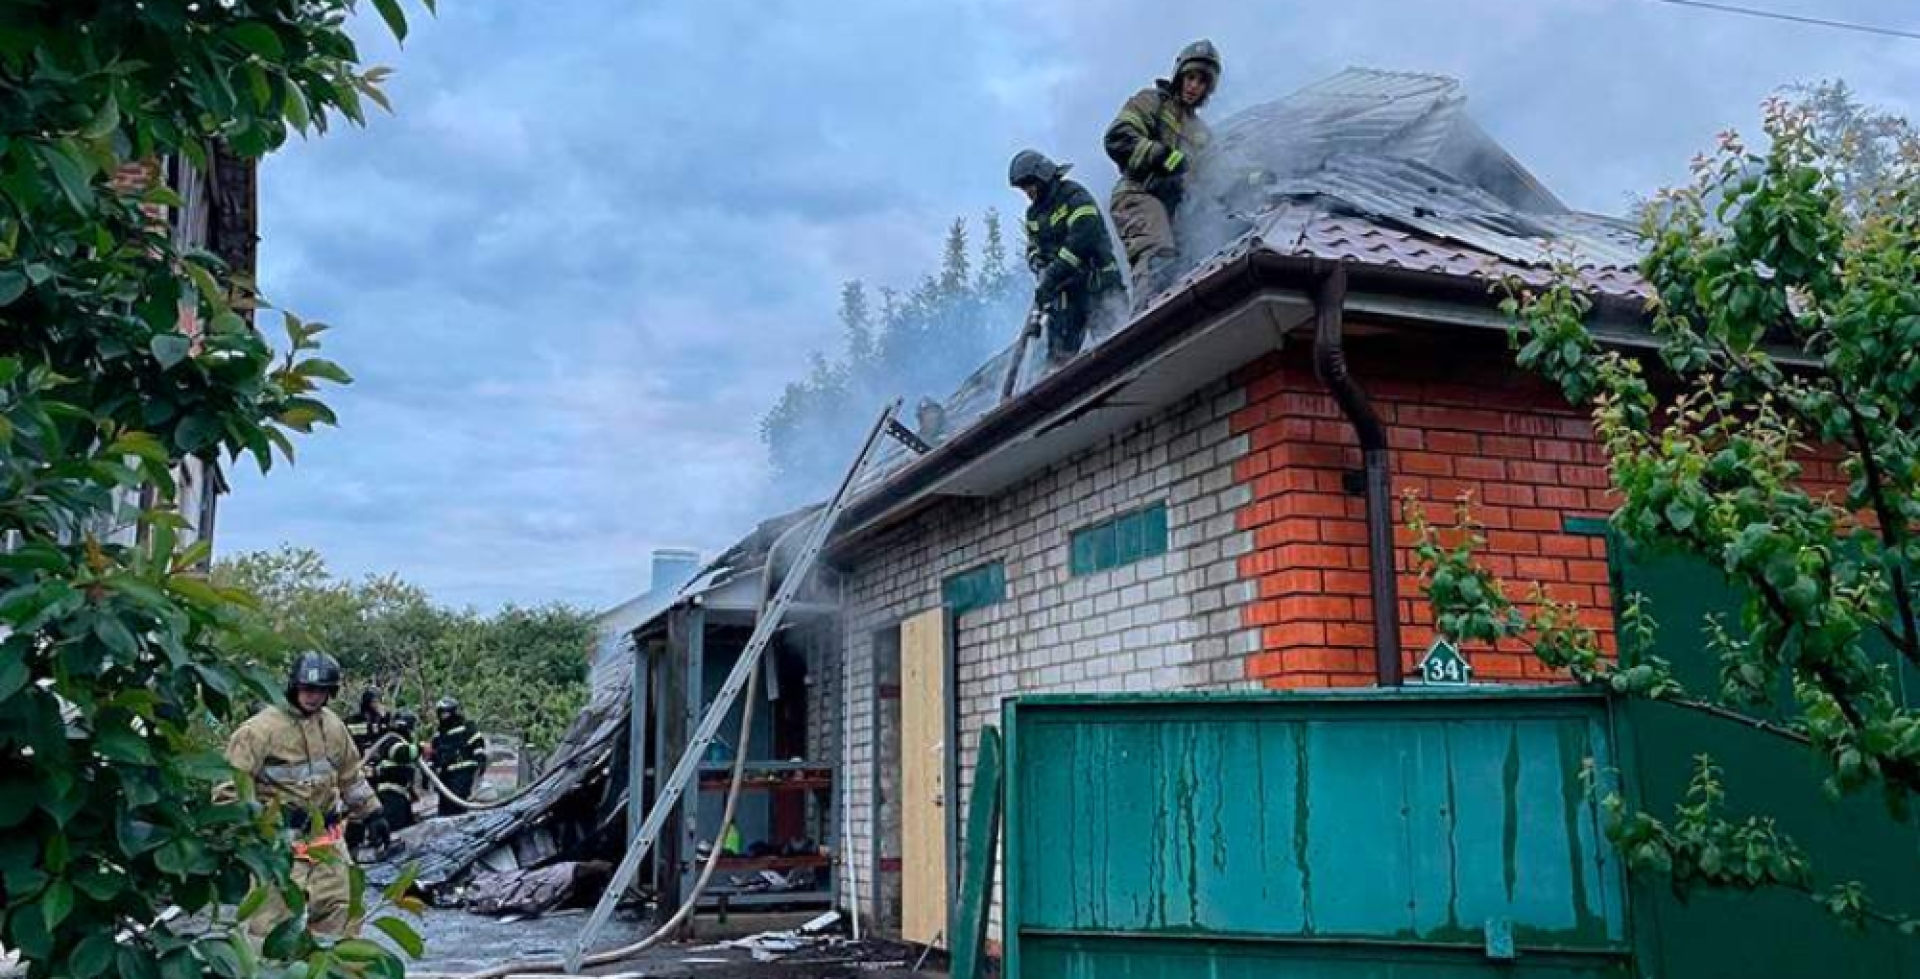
column 1306, row 145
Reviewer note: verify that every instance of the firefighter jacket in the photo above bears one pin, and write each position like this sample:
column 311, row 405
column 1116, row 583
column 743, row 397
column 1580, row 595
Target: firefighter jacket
column 305, row 763
column 1153, row 141
column 1067, row 244
column 394, row 764
column 458, row 747
column 366, row 729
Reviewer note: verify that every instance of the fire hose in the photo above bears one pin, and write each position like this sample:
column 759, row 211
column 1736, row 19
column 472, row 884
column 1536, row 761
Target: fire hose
column 451, row 796
column 692, row 901
column 441, row 787
column 610, row 956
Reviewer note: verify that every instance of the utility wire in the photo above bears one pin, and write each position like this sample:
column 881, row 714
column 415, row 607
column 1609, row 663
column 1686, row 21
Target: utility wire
column 1727, row 8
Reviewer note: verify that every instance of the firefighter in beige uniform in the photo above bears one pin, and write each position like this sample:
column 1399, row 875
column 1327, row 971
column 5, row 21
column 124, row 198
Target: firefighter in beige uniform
column 301, row 757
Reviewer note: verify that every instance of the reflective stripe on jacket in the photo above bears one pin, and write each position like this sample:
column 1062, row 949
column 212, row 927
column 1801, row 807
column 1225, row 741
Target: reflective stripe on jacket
column 1068, row 244
column 1153, row 141
column 302, row 762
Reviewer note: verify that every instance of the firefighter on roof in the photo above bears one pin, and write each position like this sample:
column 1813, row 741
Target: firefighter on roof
column 1154, row 141
column 1079, row 285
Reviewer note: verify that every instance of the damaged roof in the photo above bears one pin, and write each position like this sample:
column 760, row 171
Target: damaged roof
column 1378, row 170
column 1375, row 169
column 1379, row 114
column 445, row 849
column 1402, row 214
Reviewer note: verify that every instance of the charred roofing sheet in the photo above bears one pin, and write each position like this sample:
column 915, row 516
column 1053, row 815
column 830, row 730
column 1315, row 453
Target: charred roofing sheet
column 1361, row 168
column 457, row 843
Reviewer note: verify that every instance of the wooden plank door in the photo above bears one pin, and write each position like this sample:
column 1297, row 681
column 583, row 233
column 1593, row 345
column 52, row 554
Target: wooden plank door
column 923, row 768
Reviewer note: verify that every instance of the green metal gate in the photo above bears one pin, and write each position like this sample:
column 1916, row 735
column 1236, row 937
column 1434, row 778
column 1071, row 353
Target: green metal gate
column 1416, row 835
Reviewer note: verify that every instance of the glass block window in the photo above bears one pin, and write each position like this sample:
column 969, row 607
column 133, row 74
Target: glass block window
column 975, row 588
column 1121, row 540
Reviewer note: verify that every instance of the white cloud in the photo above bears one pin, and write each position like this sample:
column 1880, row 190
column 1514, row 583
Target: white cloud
column 599, row 236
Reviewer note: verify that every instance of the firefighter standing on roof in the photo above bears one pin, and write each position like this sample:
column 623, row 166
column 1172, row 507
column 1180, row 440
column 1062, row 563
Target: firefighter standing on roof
column 1154, row 140
column 1079, row 285
column 459, row 752
column 302, row 759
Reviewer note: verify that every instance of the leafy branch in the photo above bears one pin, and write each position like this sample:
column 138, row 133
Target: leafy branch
column 129, row 362
column 1786, row 296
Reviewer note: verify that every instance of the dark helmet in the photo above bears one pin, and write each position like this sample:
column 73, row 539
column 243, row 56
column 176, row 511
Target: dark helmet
column 369, row 699
column 447, row 705
column 1032, row 166
column 1200, row 55
column 313, row 670
column 405, row 721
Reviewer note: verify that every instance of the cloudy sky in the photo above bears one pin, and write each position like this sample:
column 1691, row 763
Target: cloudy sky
column 598, row 236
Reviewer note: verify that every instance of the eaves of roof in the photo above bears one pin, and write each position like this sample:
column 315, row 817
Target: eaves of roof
column 1228, row 282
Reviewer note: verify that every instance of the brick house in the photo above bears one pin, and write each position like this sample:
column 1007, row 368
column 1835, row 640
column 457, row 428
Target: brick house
column 1189, row 505
column 1203, row 500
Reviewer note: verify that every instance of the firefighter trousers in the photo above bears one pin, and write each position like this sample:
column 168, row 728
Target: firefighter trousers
column 460, row 780
column 1146, row 231
column 1078, row 316
column 326, row 885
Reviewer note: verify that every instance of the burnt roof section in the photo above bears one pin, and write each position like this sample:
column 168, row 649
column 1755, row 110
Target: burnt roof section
column 1382, row 171
column 1380, row 114
column 445, row 849
column 1387, row 168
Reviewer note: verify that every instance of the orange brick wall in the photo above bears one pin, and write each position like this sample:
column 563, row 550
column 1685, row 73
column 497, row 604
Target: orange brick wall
column 1529, row 460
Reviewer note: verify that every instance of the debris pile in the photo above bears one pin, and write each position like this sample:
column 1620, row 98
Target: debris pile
column 817, row 942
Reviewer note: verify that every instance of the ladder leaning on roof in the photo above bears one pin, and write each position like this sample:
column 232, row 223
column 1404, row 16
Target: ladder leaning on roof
column 764, row 628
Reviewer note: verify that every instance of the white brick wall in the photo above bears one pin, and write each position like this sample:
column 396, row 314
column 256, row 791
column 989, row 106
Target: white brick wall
column 1165, row 623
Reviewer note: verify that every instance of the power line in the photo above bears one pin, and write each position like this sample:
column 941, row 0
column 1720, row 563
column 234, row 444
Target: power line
column 1727, row 8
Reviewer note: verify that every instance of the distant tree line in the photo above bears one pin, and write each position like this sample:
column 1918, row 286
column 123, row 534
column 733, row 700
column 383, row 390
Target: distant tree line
column 518, row 671
column 918, row 345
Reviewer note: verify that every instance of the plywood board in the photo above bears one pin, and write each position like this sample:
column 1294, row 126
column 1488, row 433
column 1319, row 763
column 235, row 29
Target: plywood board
column 923, row 764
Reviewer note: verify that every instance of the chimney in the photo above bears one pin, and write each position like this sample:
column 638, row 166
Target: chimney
column 673, row 567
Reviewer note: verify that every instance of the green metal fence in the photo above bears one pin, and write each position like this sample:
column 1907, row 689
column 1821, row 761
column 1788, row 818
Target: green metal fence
column 1417, row 834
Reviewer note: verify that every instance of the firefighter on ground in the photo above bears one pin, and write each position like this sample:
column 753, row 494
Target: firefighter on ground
column 369, row 722
column 1154, row 141
column 303, row 762
column 395, row 761
column 1080, row 287
column 459, row 753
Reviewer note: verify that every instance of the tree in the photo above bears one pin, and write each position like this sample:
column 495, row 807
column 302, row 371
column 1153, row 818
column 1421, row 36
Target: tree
column 518, row 671
column 922, row 346
column 858, row 323
column 993, row 279
column 1868, row 145
column 122, row 356
column 955, row 271
column 1787, row 300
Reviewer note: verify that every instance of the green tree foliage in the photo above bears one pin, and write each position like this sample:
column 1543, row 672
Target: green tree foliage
column 519, row 671
column 1867, row 144
column 1788, row 305
column 950, row 324
column 114, row 657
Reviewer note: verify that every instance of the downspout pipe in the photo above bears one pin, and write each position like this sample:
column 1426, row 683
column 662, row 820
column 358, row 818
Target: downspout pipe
column 1330, row 363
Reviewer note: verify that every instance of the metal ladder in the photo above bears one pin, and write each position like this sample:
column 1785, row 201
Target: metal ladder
column 764, row 630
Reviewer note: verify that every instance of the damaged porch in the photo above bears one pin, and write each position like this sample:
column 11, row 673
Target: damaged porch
column 551, row 847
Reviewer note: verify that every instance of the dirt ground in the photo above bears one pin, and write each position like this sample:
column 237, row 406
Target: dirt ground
column 459, row 943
